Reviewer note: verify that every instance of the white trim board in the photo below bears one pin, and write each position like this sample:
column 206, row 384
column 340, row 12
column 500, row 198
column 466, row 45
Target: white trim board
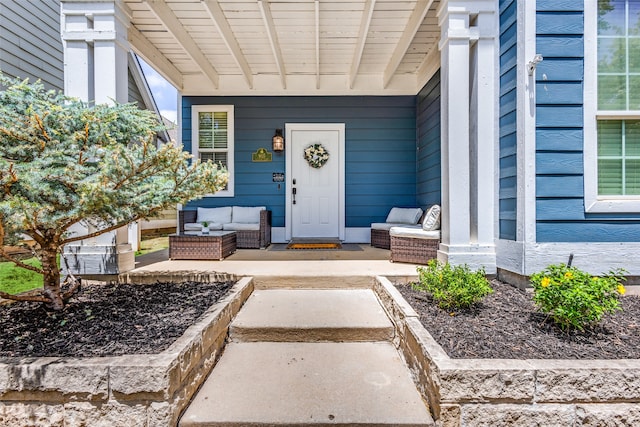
column 526, row 136
column 592, row 202
column 230, row 110
column 340, row 128
column 595, row 258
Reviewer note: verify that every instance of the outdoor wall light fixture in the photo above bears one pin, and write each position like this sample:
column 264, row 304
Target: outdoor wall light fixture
column 278, row 141
column 531, row 66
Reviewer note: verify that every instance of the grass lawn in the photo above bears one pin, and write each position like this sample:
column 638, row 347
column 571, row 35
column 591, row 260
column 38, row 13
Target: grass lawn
column 152, row 244
column 14, row 280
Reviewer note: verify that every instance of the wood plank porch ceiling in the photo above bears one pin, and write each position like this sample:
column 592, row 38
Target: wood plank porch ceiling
column 292, row 47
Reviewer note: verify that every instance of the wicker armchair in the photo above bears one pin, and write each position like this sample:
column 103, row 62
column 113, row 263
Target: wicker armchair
column 380, row 230
column 245, row 239
column 413, row 245
column 417, row 243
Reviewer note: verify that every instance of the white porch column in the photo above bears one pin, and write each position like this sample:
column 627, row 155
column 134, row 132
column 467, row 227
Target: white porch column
column 486, row 111
column 95, row 43
column 455, row 128
column 468, row 123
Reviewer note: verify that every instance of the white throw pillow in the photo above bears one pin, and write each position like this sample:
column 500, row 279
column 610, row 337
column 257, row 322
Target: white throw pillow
column 214, row 215
column 247, row 215
column 432, row 219
column 404, row 215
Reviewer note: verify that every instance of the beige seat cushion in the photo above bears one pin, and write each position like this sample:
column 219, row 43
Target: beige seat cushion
column 414, row 233
column 193, row 226
column 235, row 226
column 385, row 225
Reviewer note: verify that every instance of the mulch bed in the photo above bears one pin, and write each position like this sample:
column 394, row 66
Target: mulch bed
column 107, row 320
column 506, row 325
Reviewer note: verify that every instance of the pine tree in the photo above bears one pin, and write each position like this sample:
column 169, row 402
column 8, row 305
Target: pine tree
column 64, row 162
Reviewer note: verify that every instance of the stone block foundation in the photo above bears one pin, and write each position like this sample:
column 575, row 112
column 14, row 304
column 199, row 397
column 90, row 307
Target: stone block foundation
column 507, row 392
column 133, row 390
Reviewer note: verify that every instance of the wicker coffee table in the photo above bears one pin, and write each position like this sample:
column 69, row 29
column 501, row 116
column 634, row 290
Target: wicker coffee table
column 215, row 245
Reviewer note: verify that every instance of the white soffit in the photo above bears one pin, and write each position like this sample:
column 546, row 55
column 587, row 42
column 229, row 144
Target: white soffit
column 288, row 47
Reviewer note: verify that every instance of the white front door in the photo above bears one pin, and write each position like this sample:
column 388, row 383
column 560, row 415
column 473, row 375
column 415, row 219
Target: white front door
column 315, row 195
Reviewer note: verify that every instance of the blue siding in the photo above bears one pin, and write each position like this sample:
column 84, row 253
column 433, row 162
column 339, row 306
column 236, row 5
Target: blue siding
column 508, row 120
column 560, row 210
column 559, row 118
column 554, row 116
column 590, row 231
column 559, row 5
column 380, row 150
column 559, row 139
column 559, row 92
column 429, row 181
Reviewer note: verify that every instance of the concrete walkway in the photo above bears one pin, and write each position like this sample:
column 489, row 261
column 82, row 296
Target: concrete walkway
column 311, row 357
column 311, row 346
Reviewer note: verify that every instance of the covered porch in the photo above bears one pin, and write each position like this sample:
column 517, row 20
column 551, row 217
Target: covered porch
column 354, row 264
column 413, row 83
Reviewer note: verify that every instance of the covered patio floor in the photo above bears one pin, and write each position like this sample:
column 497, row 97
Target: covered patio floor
column 352, row 260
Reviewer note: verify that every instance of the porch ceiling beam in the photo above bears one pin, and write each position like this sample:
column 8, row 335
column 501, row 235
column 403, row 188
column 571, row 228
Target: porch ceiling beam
column 415, row 21
column 221, row 23
column 367, row 14
column 317, row 14
column 173, row 25
column 265, row 10
column 145, row 49
column 430, row 64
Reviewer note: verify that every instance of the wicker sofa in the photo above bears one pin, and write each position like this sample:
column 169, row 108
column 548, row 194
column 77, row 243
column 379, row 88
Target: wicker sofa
column 397, row 217
column 251, row 224
column 417, row 244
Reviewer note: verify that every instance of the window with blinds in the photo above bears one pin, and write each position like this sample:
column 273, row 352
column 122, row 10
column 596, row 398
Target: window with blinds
column 619, row 157
column 618, row 56
column 213, row 138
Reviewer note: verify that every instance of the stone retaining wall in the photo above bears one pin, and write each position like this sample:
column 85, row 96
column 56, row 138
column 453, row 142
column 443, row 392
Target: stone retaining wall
column 133, row 390
column 506, row 392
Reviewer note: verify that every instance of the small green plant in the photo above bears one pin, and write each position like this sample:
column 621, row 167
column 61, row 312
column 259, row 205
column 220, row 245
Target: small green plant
column 575, row 299
column 453, row 287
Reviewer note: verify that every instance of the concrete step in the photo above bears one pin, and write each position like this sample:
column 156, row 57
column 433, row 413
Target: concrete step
column 306, row 315
column 308, row 384
column 313, row 282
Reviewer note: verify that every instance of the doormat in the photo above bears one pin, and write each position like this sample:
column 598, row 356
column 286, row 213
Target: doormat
column 314, row 245
column 344, row 247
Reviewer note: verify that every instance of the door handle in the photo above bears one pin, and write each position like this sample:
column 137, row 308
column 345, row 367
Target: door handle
column 293, row 192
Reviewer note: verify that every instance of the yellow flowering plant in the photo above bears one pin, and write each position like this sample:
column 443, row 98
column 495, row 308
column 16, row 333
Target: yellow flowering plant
column 574, row 299
column 452, row 287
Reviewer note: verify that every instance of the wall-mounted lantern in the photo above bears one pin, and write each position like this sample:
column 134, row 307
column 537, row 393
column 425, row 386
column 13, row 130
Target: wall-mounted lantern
column 278, row 141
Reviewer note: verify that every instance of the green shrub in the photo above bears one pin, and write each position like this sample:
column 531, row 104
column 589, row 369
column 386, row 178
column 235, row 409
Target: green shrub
column 453, row 287
column 575, row 299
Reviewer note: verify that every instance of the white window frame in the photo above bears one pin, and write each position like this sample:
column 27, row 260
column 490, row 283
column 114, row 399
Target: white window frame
column 592, row 201
column 195, row 110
